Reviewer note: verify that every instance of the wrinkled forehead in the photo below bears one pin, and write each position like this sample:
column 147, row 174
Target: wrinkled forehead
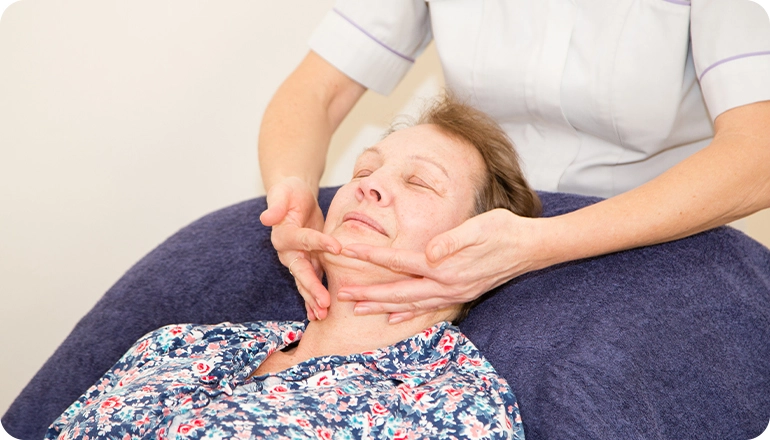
column 429, row 144
column 416, row 156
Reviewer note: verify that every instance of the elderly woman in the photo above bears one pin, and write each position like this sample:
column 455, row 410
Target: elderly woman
column 347, row 375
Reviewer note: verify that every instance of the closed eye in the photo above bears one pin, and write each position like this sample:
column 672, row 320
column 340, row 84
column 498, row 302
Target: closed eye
column 419, row 182
column 362, row 173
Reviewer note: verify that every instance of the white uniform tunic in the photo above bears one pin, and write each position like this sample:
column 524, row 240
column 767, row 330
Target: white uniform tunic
column 599, row 96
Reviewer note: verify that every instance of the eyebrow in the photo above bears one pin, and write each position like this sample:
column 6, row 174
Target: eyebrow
column 374, row 149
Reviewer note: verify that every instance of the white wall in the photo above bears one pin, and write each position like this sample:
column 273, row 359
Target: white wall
column 123, row 121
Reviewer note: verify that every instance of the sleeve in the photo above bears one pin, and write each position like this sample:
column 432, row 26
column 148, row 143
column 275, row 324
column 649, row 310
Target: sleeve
column 731, row 51
column 149, row 346
column 374, row 42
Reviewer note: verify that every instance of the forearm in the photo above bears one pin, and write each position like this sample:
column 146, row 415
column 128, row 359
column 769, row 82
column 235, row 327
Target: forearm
column 727, row 180
column 294, row 135
column 300, row 120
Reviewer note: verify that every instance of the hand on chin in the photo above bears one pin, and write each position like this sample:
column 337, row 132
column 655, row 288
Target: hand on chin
column 353, row 271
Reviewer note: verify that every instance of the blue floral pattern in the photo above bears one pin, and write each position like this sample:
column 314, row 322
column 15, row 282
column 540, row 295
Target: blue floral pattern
column 192, row 382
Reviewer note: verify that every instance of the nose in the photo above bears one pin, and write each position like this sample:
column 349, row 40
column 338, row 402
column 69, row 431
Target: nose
column 371, row 189
column 375, row 194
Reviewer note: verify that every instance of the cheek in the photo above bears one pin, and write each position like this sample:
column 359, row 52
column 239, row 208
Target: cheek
column 337, row 208
column 330, row 221
column 420, row 227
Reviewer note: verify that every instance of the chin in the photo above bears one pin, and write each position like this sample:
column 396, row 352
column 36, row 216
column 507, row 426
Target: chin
column 331, row 263
column 358, row 272
column 353, row 234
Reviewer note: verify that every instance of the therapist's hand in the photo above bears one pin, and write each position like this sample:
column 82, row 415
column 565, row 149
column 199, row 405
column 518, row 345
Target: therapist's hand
column 297, row 222
column 457, row 266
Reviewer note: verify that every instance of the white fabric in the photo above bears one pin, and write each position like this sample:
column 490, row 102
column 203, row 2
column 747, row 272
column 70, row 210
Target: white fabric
column 599, row 96
column 388, row 41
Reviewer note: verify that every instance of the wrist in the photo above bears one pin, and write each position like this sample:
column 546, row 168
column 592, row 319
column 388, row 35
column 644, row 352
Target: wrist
column 293, row 180
column 544, row 242
column 574, row 236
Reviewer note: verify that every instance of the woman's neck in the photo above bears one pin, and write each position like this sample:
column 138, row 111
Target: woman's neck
column 343, row 333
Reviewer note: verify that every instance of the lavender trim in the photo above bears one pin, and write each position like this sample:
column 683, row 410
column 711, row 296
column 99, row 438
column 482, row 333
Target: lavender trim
column 732, row 58
column 411, row 60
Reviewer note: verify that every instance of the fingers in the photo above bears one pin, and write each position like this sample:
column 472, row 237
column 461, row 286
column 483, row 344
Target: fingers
column 401, row 311
column 309, row 302
column 314, row 311
column 399, row 296
column 293, row 238
column 316, row 297
column 403, row 300
column 395, row 318
column 310, row 313
column 307, row 279
column 397, row 260
column 312, row 240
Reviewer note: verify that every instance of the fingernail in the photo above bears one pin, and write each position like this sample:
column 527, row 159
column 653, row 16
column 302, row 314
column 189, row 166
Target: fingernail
column 349, row 253
column 316, row 315
column 344, row 296
column 331, row 249
column 361, row 310
column 395, row 319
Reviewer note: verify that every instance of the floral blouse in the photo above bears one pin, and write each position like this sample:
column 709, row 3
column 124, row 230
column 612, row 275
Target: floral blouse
column 192, row 381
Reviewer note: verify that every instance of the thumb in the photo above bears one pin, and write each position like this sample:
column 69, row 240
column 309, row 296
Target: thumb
column 277, row 202
column 445, row 244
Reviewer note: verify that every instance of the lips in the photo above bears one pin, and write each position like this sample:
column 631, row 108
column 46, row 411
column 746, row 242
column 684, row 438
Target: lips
column 366, row 220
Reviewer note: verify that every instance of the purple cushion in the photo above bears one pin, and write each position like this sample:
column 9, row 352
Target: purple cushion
column 669, row 341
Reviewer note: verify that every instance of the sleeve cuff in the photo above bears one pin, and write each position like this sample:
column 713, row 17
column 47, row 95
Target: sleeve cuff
column 358, row 55
column 735, row 82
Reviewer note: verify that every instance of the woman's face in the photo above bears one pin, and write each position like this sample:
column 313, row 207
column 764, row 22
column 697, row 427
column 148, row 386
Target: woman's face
column 408, row 188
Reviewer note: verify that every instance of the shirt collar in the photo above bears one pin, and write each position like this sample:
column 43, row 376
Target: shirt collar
column 419, row 358
column 414, row 361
